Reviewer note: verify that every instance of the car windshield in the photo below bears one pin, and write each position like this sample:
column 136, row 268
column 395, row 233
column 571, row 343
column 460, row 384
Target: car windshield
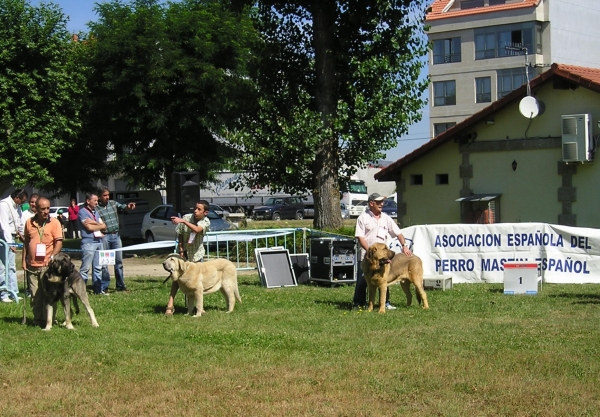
column 273, row 202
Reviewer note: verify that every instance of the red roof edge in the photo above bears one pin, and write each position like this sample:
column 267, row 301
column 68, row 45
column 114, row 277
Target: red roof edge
column 582, row 76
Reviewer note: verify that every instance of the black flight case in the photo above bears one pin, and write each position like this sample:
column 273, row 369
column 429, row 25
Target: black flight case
column 333, row 260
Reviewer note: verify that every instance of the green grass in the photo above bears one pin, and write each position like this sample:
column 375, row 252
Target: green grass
column 301, row 352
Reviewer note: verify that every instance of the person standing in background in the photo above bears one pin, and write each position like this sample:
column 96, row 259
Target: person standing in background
column 109, row 211
column 30, row 212
column 11, row 229
column 91, row 226
column 73, row 229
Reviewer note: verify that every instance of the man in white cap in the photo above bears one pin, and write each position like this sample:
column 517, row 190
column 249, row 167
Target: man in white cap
column 374, row 226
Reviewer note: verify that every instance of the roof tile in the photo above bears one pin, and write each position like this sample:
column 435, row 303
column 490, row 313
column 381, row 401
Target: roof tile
column 438, row 6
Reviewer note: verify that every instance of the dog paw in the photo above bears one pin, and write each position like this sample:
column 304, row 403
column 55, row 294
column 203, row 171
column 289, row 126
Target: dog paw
column 46, row 329
column 95, row 325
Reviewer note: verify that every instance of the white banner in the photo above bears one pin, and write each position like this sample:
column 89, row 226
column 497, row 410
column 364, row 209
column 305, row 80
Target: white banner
column 476, row 253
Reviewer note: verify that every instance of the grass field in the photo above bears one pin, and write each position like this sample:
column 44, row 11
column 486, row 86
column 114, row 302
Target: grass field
column 301, row 352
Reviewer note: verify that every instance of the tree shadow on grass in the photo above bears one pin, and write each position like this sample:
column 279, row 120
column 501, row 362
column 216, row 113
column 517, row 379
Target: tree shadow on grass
column 578, row 298
column 340, row 305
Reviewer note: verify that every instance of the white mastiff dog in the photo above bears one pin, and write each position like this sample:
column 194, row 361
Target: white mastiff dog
column 198, row 278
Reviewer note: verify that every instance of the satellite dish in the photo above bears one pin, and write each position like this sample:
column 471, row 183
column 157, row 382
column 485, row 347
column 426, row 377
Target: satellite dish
column 530, row 107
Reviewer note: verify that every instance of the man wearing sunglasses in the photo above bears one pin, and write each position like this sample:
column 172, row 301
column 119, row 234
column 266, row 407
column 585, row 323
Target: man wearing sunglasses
column 374, row 226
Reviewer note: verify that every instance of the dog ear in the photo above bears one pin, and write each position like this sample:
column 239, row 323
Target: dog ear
column 181, row 263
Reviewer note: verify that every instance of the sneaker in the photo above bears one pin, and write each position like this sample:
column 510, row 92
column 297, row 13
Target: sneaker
column 388, row 306
column 357, row 307
column 101, row 293
column 122, row 290
column 6, row 300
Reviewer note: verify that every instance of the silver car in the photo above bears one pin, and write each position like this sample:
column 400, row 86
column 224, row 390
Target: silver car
column 219, row 210
column 157, row 224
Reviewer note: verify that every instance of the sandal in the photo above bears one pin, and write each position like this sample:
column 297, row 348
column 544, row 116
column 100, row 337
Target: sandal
column 169, row 311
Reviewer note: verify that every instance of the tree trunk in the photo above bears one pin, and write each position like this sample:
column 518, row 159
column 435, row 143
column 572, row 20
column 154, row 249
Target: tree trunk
column 326, row 189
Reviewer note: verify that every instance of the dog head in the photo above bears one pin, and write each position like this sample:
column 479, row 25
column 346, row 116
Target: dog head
column 59, row 268
column 175, row 265
column 378, row 256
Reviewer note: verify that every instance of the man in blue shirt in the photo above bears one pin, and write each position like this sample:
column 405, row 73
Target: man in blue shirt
column 91, row 226
column 109, row 211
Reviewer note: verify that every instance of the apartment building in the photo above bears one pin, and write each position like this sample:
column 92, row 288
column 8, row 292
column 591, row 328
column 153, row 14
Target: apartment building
column 484, row 49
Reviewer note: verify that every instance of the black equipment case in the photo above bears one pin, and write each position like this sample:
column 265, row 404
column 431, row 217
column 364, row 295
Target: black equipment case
column 333, row 260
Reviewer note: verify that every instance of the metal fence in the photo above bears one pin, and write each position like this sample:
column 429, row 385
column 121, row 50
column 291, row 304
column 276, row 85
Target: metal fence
column 239, row 246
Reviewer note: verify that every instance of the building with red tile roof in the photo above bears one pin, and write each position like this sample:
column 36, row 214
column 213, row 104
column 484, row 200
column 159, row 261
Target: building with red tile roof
column 484, row 49
column 521, row 168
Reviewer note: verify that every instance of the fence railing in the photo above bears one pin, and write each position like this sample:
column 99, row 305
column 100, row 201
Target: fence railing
column 239, row 246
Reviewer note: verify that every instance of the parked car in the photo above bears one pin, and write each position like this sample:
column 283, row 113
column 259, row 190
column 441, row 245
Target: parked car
column 277, row 208
column 157, row 223
column 309, row 211
column 345, row 212
column 390, row 208
column 358, row 209
column 219, row 210
column 65, row 212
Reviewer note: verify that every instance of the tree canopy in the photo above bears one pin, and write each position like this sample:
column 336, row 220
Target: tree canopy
column 338, row 84
column 42, row 88
column 167, row 81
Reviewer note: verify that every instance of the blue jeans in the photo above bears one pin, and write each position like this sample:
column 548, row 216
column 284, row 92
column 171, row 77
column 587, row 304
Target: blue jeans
column 111, row 242
column 11, row 284
column 91, row 257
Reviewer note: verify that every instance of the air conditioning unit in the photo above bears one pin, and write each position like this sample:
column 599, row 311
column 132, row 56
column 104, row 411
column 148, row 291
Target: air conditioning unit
column 576, row 138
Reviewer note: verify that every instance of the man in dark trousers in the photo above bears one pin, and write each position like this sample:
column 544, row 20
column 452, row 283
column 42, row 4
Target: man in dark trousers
column 374, row 226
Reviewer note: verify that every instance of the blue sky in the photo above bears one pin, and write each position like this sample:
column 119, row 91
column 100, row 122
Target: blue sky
column 80, row 12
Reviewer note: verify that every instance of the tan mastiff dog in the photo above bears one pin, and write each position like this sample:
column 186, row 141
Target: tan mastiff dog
column 383, row 267
column 198, row 278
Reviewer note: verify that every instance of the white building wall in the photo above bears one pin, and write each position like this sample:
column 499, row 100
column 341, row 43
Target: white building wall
column 575, row 32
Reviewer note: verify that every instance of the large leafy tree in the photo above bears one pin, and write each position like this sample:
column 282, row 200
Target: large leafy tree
column 339, row 83
column 41, row 91
column 168, row 79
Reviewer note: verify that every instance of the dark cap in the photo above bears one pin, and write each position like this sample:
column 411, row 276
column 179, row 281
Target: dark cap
column 376, row 197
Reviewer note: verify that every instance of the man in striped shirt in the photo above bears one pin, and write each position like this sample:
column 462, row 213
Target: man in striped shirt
column 109, row 211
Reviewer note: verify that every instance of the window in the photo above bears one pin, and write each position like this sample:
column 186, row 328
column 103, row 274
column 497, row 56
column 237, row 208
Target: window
column 416, row 179
column 483, row 90
column 481, row 209
column 439, row 128
column 446, row 50
column 444, row 93
column 509, row 80
column 491, row 42
column 481, row 213
column 496, row 2
column 441, row 179
column 471, row 4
